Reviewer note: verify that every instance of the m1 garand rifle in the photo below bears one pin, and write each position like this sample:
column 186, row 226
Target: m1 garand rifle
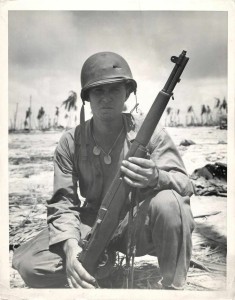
column 109, row 213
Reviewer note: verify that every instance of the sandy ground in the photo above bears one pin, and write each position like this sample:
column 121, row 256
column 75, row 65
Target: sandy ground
column 31, row 183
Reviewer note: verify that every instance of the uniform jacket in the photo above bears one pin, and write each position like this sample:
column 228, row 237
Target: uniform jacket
column 78, row 173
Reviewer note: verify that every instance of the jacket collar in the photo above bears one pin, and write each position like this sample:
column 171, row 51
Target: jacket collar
column 130, row 126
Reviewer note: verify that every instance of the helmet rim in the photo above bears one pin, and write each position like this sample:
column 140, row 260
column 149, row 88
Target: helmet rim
column 85, row 90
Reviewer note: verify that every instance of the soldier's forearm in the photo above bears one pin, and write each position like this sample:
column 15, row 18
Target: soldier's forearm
column 71, row 248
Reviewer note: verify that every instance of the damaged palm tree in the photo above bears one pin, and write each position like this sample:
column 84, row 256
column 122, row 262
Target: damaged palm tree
column 203, row 115
column 224, row 106
column 178, row 117
column 40, row 117
column 223, row 116
column 216, row 111
column 27, row 122
column 209, row 115
column 56, row 119
column 70, row 104
column 168, row 112
column 191, row 118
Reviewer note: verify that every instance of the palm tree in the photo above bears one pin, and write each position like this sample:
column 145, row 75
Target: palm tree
column 27, row 116
column 25, row 124
column 46, row 122
column 224, row 106
column 168, row 112
column 57, row 113
column 15, row 117
column 209, row 115
column 216, row 111
column 175, row 117
column 69, row 105
column 217, row 104
column 191, row 118
column 223, row 114
column 203, row 115
column 40, row 117
column 49, row 122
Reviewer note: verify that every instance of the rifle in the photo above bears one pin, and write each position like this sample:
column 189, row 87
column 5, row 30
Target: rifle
column 108, row 215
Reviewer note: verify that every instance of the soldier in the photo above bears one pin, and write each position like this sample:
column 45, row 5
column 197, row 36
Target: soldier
column 87, row 159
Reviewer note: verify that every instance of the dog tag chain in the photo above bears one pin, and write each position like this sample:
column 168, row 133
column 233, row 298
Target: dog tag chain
column 97, row 149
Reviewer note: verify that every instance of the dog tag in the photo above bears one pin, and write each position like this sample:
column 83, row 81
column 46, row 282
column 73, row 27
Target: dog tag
column 96, row 150
column 107, row 159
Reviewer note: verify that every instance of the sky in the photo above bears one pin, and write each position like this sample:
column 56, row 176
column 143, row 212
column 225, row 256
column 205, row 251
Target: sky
column 46, row 51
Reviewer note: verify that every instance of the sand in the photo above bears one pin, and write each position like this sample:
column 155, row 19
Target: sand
column 31, row 184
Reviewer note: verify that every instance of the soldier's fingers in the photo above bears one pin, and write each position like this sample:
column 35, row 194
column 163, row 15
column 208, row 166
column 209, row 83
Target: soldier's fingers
column 69, row 283
column 74, row 283
column 133, row 183
column 143, row 162
column 135, row 168
column 143, row 173
column 78, row 282
column 133, row 174
column 83, row 274
column 86, row 285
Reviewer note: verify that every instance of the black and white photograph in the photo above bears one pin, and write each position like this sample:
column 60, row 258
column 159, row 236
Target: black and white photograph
column 118, row 146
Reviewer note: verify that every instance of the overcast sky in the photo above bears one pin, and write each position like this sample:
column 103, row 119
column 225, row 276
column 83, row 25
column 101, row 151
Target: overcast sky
column 47, row 50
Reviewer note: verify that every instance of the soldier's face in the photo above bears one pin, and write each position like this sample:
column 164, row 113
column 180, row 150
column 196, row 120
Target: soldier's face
column 107, row 100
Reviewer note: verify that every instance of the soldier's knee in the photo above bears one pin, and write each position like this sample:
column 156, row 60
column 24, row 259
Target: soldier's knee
column 30, row 273
column 27, row 272
column 28, row 268
column 164, row 208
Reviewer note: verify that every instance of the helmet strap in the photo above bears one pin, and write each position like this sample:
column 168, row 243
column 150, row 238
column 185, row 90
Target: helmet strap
column 83, row 133
column 136, row 102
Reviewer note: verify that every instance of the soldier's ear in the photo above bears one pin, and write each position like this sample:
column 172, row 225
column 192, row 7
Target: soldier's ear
column 128, row 90
column 87, row 96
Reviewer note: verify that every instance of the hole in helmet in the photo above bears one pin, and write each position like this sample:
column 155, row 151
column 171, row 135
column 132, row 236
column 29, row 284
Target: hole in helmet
column 116, row 67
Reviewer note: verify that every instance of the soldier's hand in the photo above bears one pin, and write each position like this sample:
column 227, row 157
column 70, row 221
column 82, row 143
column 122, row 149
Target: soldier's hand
column 140, row 172
column 77, row 276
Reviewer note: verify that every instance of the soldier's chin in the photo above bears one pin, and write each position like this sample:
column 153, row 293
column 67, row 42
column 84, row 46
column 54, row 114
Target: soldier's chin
column 107, row 111
column 107, row 115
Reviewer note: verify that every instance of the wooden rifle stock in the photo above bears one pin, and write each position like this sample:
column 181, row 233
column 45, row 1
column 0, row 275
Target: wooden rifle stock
column 109, row 213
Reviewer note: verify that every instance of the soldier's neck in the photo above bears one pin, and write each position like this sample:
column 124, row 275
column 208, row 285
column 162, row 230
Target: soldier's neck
column 107, row 127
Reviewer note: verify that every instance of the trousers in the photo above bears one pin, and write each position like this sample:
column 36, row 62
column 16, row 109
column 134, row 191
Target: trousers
column 164, row 229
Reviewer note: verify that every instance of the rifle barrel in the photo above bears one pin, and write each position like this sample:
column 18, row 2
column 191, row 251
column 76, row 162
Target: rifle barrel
column 180, row 63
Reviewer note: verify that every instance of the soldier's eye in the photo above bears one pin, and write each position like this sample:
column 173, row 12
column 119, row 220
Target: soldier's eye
column 116, row 89
column 97, row 90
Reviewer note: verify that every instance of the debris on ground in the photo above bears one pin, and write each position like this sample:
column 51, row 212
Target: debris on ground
column 210, row 180
column 186, row 143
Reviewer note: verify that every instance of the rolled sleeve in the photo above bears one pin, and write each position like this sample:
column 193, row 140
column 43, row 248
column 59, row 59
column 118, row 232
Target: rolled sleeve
column 63, row 208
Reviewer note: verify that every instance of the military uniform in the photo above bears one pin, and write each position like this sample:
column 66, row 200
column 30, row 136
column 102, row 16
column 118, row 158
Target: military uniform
column 164, row 223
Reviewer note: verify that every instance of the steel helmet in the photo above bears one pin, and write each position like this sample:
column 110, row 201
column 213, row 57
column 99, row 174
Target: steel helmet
column 103, row 68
